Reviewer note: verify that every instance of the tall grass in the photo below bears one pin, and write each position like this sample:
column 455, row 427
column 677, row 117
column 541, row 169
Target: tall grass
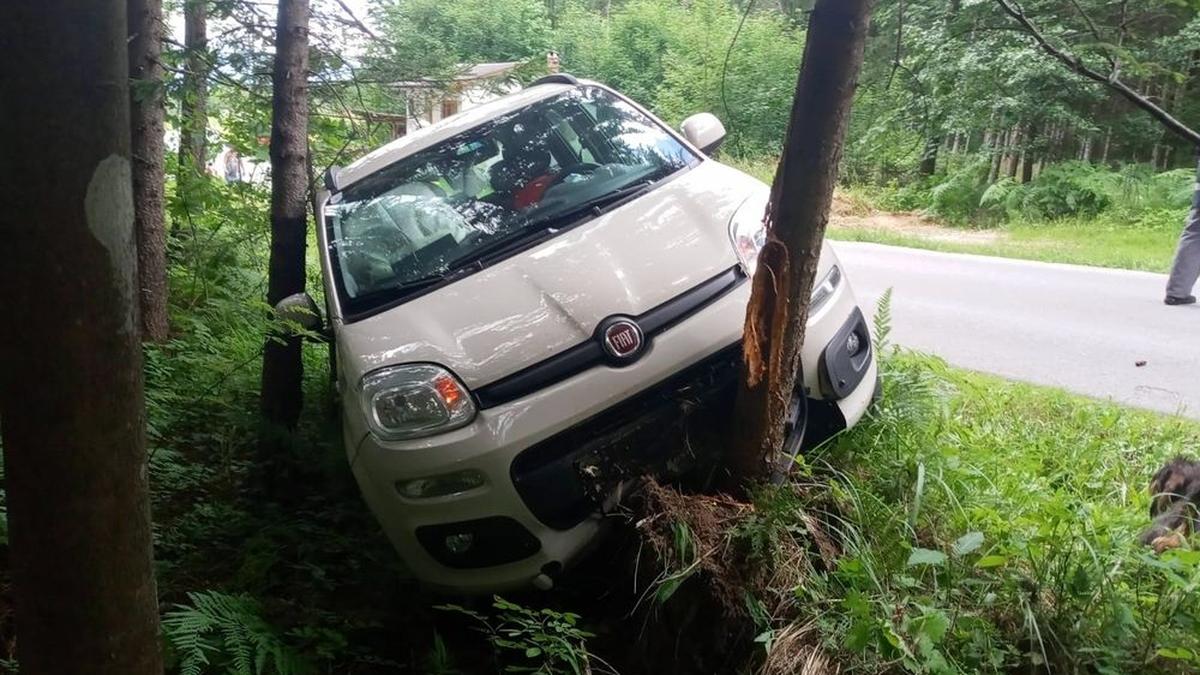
column 992, row 526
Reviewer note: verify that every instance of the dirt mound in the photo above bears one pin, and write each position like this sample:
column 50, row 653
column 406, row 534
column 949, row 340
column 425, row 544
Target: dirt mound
column 851, row 213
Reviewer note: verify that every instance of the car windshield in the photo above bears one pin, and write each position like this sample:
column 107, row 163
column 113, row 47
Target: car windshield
column 449, row 206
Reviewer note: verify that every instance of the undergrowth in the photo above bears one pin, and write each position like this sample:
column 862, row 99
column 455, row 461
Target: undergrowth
column 991, row 526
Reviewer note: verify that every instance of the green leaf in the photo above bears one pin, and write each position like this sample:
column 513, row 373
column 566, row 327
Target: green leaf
column 988, row 561
column 926, row 556
column 933, row 625
column 1176, row 653
column 968, row 543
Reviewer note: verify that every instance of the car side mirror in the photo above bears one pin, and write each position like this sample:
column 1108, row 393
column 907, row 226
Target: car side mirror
column 302, row 310
column 704, row 131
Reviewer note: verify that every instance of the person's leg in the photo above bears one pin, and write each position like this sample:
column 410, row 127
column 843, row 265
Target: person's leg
column 1186, row 268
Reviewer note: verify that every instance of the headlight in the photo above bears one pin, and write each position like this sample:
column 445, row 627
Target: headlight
column 747, row 232
column 414, row 401
column 748, row 235
column 824, row 289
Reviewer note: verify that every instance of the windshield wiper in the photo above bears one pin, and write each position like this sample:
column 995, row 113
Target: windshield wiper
column 416, row 284
column 516, row 238
column 598, row 206
column 522, row 235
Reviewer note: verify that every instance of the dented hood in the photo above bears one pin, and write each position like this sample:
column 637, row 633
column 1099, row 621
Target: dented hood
column 551, row 297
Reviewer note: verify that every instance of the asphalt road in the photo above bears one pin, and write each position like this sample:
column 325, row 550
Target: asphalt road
column 1083, row 329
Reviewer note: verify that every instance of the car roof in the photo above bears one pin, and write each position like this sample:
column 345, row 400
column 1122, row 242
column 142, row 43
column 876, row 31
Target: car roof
column 451, row 126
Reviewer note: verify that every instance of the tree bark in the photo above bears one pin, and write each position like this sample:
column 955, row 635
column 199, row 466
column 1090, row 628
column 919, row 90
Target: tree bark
column 70, row 363
column 1014, row 152
column 146, row 146
column 796, row 217
column 999, row 141
column 193, row 114
column 283, row 370
column 1028, row 157
column 929, row 156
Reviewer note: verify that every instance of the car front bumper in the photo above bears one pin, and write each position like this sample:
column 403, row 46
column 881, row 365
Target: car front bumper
column 525, row 521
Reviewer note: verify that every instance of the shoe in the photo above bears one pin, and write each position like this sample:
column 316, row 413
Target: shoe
column 1175, row 300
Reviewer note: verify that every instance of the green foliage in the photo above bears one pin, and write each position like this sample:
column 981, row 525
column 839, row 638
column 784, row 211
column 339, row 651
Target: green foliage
column 533, row 641
column 219, row 633
column 956, row 199
column 1068, row 189
column 992, row 527
column 431, row 38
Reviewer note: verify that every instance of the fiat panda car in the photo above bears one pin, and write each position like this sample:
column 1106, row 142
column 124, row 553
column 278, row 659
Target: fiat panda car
column 528, row 284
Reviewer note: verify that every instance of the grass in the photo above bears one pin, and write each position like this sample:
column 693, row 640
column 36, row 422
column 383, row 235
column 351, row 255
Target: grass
column 1078, row 242
column 992, row 526
column 987, row 526
column 1144, row 241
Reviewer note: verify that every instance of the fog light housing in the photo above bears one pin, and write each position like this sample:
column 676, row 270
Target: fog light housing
column 459, row 544
column 475, row 544
column 853, row 344
column 443, row 485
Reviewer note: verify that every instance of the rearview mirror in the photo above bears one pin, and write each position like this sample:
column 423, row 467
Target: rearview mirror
column 301, row 309
column 704, row 131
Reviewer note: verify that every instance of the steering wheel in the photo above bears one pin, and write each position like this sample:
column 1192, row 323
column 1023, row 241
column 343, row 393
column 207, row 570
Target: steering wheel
column 581, row 167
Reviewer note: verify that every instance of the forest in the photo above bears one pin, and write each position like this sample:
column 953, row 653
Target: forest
column 967, row 524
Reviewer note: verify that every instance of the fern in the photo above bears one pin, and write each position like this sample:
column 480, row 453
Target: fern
column 222, row 633
column 883, row 321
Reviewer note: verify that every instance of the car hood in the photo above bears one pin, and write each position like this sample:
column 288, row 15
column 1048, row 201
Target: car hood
column 551, row 297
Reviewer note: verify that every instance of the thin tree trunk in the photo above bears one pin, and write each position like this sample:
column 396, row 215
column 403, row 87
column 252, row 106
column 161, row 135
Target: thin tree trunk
column 1028, row 156
column 283, row 370
column 1014, row 152
column 146, row 145
column 193, row 142
column 999, row 142
column 70, row 362
column 796, row 217
column 929, row 156
column 1107, row 144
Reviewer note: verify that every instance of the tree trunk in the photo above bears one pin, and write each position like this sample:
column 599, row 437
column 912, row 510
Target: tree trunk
column 1107, row 144
column 193, row 114
column 1028, row 157
column 998, row 143
column 1014, row 152
column 796, row 217
column 929, row 156
column 283, row 370
column 70, row 364
column 146, row 149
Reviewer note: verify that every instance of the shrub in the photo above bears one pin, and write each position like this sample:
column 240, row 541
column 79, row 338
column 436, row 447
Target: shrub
column 1068, row 189
column 956, row 199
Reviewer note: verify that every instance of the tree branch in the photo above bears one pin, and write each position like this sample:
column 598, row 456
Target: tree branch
column 1112, row 80
column 1093, row 28
column 354, row 20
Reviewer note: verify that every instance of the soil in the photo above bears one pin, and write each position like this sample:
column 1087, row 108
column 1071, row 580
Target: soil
column 851, row 215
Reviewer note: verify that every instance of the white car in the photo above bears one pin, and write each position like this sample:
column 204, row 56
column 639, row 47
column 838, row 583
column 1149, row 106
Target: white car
column 521, row 287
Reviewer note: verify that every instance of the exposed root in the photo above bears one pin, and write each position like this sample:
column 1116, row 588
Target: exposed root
column 720, row 572
column 689, row 536
column 796, row 650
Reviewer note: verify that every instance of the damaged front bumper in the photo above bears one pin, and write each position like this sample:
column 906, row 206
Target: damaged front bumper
column 552, row 458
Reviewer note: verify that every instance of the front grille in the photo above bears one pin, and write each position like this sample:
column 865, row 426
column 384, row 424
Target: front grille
column 590, row 354
column 637, row 431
